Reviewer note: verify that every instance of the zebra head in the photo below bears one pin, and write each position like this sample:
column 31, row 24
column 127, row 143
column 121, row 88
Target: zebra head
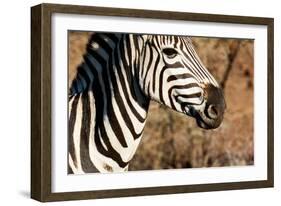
column 172, row 74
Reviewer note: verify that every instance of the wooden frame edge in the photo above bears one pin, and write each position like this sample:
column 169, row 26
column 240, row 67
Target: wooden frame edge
column 36, row 59
column 270, row 100
column 85, row 195
column 40, row 102
column 157, row 14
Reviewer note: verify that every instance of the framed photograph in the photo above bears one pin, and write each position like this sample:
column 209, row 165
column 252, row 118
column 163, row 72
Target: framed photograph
column 132, row 102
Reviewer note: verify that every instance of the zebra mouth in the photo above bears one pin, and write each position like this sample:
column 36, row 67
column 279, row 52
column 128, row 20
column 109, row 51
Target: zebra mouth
column 201, row 119
column 201, row 122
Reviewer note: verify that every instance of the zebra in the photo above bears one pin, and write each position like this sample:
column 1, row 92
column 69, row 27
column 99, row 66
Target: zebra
column 118, row 77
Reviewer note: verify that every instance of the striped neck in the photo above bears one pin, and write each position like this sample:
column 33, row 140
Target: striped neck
column 121, row 108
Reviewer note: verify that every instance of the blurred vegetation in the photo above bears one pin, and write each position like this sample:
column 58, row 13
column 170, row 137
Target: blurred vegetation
column 171, row 140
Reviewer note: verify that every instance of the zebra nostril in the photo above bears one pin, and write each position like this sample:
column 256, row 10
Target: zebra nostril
column 213, row 112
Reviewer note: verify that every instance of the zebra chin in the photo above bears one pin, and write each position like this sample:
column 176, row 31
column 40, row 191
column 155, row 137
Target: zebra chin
column 205, row 121
column 208, row 115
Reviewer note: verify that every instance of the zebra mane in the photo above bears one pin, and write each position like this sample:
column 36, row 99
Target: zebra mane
column 84, row 77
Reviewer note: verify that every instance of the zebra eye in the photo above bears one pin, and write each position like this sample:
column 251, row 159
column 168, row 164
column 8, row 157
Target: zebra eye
column 170, row 52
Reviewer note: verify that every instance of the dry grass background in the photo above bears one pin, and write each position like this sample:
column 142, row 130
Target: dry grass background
column 171, row 140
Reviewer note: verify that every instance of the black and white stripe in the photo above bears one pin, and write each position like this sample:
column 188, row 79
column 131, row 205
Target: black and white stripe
column 109, row 98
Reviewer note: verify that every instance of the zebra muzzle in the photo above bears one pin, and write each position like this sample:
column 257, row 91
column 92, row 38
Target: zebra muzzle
column 210, row 115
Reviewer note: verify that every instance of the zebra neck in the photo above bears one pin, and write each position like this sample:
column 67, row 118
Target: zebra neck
column 121, row 108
